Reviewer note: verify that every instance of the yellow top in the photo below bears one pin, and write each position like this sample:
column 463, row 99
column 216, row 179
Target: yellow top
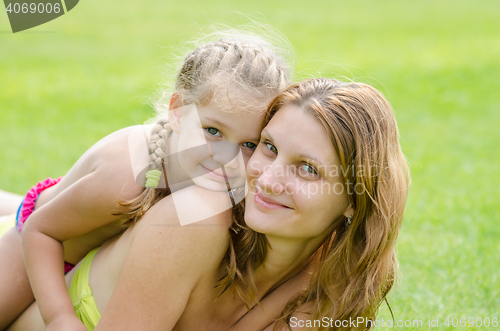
column 81, row 294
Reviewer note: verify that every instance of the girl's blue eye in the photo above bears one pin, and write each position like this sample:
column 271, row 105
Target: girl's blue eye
column 309, row 169
column 213, row 132
column 272, row 148
column 250, row 145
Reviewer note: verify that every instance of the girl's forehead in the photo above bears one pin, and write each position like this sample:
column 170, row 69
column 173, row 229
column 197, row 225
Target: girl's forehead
column 242, row 123
column 230, row 112
column 236, row 98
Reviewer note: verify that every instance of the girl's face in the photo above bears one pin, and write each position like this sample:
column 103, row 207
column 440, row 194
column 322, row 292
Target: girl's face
column 296, row 187
column 215, row 145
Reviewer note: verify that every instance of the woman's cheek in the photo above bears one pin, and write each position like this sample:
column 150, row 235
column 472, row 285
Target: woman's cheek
column 297, row 194
column 307, row 196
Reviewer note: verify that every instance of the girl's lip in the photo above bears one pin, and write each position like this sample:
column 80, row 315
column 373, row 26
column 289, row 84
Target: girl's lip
column 267, row 202
column 215, row 175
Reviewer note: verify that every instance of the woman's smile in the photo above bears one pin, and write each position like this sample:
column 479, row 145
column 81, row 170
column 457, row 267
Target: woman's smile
column 265, row 202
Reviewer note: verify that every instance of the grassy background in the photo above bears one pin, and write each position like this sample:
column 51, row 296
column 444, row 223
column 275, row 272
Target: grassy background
column 68, row 83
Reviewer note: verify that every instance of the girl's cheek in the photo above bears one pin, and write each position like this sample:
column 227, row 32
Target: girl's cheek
column 255, row 166
column 246, row 158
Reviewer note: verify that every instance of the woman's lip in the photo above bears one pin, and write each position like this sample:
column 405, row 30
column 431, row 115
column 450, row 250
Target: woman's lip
column 268, row 203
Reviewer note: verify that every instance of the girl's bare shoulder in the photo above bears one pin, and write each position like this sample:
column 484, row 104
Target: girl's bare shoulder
column 106, row 164
column 114, row 148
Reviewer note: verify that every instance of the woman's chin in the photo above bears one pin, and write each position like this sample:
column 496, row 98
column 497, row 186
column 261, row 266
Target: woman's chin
column 258, row 221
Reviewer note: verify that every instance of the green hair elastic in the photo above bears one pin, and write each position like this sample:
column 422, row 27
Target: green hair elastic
column 152, row 178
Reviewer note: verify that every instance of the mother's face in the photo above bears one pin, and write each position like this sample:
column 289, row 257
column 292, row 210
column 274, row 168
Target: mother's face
column 296, row 187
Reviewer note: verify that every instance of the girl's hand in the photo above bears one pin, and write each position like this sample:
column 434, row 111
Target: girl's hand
column 66, row 323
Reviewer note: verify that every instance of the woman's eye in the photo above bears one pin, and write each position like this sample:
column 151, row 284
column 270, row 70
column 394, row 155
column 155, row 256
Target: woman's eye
column 250, row 145
column 309, row 169
column 213, row 132
column 272, row 148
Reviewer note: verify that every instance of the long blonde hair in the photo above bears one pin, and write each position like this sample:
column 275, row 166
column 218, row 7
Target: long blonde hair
column 356, row 265
column 239, row 60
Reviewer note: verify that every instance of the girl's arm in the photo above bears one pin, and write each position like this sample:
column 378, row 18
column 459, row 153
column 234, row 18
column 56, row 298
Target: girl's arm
column 163, row 266
column 83, row 206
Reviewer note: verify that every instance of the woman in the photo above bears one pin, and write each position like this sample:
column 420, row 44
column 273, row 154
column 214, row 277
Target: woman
column 327, row 190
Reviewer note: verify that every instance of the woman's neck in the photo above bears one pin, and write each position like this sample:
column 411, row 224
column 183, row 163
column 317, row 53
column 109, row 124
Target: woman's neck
column 285, row 259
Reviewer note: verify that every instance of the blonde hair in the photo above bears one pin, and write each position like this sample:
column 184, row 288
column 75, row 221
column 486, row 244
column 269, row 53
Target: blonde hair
column 240, row 70
column 356, row 266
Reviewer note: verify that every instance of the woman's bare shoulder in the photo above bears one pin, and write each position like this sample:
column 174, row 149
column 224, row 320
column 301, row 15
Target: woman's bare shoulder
column 173, row 258
column 193, row 208
column 162, row 226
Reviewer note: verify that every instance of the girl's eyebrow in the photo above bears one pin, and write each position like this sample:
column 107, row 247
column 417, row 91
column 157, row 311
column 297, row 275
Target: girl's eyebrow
column 216, row 121
column 225, row 126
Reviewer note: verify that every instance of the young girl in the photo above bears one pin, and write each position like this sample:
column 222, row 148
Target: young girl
column 230, row 81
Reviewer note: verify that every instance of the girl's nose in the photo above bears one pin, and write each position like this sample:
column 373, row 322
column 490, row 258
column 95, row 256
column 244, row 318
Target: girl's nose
column 224, row 153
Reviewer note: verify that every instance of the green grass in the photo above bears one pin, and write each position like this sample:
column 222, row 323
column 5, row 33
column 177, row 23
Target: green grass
column 436, row 61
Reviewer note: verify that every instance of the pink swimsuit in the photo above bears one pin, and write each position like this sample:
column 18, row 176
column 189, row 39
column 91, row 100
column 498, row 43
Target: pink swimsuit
column 28, row 206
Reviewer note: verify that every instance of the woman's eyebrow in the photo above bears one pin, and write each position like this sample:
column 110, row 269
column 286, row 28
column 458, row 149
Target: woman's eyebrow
column 310, row 157
column 318, row 160
column 265, row 132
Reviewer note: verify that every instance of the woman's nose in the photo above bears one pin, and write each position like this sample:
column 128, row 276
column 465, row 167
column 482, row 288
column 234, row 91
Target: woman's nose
column 272, row 179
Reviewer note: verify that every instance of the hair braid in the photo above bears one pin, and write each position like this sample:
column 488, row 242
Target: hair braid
column 136, row 207
column 158, row 144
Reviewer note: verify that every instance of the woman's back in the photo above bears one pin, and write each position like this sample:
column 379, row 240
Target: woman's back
column 167, row 271
column 170, row 273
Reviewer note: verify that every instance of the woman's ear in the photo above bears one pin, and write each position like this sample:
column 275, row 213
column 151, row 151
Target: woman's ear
column 174, row 112
column 349, row 211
